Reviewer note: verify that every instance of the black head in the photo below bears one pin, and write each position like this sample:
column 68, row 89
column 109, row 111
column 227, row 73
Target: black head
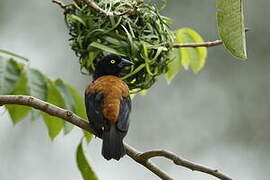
column 111, row 65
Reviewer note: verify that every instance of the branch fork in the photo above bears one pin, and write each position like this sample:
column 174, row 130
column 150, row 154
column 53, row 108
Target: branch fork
column 142, row 158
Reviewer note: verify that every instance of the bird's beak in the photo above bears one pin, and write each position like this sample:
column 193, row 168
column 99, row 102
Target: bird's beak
column 125, row 62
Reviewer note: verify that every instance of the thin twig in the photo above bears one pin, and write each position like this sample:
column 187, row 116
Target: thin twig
column 203, row 44
column 60, row 3
column 141, row 158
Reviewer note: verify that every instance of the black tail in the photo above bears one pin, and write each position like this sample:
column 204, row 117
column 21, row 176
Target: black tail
column 112, row 147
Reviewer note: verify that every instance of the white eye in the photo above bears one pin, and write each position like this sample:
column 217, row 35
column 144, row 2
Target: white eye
column 113, row 61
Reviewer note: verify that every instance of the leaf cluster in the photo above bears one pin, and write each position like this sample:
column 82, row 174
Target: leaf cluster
column 19, row 79
column 144, row 37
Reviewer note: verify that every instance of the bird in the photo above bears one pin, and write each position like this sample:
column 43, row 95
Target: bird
column 108, row 105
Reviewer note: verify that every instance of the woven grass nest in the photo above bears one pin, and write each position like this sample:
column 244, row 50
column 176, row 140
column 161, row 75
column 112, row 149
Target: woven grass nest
column 127, row 28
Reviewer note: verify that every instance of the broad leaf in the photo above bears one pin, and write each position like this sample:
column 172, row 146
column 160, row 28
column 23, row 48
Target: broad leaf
column 68, row 100
column 78, row 102
column 174, row 66
column 54, row 124
column 36, row 86
column 190, row 56
column 80, row 109
column 17, row 112
column 83, row 164
column 9, row 75
column 230, row 20
column 35, row 114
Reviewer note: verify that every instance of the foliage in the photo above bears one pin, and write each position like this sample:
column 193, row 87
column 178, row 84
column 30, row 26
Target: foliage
column 144, row 36
column 83, row 164
column 18, row 78
column 230, row 20
column 194, row 57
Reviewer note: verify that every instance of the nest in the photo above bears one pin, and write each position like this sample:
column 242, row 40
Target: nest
column 127, row 28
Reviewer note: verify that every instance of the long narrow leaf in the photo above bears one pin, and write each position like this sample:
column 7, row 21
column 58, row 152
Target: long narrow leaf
column 106, row 48
column 13, row 54
column 83, row 164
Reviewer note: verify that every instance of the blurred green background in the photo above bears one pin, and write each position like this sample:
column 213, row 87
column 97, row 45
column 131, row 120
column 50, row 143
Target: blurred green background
column 218, row 118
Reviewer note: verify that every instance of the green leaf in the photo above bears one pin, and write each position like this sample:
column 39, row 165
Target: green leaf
column 54, row 124
column 88, row 136
column 230, row 21
column 106, row 48
column 68, row 100
column 35, row 114
column 31, row 83
column 36, row 86
column 80, row 109
column 144, row 92
column 78, row 102
column 17, row 112
column 194, row 57
column 9, row 75
column 83, row 164
column 76, row 19
column 131, row 43
column 174, row 66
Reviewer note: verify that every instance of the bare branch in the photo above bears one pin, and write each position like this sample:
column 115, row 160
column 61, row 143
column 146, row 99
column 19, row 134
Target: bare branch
column 181, row 162
column 203, row 44
column 60, row 3
column 45, row 107
column 141, row 158
column 136, row 156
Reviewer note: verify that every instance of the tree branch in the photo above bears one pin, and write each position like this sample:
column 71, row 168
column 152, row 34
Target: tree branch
column 203, row 44
column 141, row 158
column 60, row 3
column 181, row 162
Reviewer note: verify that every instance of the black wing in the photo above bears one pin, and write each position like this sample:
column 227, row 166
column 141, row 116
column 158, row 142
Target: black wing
column 123, row 118
column 93, row 104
